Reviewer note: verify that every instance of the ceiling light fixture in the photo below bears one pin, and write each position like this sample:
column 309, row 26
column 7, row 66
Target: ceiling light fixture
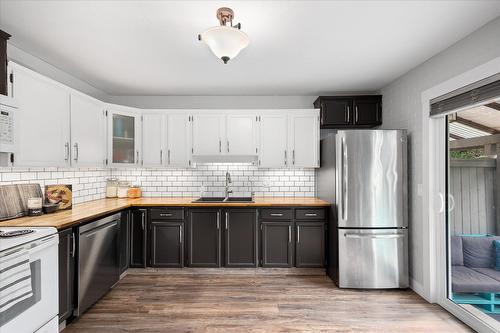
column 225, row 41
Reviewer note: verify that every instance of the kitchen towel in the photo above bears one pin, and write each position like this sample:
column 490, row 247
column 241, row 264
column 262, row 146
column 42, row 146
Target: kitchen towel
column 14, row 199
column 15, row 278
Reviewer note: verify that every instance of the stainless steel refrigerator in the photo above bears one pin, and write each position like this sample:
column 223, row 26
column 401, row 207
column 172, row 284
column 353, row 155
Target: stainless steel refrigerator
column 363, row 173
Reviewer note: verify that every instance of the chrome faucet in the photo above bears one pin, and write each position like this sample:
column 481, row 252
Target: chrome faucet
column 228, row 181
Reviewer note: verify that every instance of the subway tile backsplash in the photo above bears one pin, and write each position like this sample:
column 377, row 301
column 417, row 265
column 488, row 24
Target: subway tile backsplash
column 207, row 179
column 88, row 183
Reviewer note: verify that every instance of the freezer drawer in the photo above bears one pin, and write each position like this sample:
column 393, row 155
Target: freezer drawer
column 373, row 258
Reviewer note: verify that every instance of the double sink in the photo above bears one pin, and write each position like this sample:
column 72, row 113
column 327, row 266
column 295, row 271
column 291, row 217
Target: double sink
column 224, row 199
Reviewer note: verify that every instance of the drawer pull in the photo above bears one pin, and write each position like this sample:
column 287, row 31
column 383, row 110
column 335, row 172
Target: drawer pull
column 311, row 214
column 166, row 214
column 276, row 214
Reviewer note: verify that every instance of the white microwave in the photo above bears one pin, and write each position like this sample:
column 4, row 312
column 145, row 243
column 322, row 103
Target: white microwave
column 8, row 109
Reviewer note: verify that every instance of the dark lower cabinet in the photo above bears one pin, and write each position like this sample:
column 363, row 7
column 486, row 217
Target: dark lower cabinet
column 310, row 244
column 241, row 235
column 67, row 249
column 124, row 241
column 204, row 238
column 167, row 244
column 138, row 238
column 277, row 244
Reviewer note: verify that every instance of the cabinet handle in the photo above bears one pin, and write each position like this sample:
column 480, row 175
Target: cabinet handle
column 180, row 234
column 137, row 160
column 220, row 146
column 293, row 157
column 66, row 146
column 311, row 214
column 285, row 158
column 161, row 156
column 289, row 234
column 218, row 220
column 143, row 221
column 356, row 114
column 298, row 234
column 77, row 152
column 73, row 245
column 348, row 114
column 228, row 146
column 322, row 112
column 276, row 214
column 227, row 219
column 168, row 155
column 166, row 214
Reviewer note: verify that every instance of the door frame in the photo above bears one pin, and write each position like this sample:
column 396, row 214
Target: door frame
column 434, row 287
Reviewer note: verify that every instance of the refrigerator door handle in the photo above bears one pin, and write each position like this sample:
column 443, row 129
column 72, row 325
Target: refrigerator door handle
column 344, row 179
column 383, row 236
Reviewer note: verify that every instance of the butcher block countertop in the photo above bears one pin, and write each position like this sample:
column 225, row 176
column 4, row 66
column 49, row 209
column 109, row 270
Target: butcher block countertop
column 91, row 210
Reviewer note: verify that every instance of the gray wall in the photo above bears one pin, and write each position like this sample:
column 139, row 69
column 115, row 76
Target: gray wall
column 403, row 109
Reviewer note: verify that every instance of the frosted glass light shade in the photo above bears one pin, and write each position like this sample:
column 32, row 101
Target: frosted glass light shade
column 225, row 42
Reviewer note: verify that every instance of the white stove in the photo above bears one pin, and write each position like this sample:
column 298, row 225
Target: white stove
column 10, row 242
column 29, row 267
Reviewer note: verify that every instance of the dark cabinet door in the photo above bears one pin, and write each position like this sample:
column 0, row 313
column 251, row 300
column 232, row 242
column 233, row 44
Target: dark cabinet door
column 368, row 111
column 240, row 230
column 277, row 244
column 124, row 239
column 67, row 249
column 167, row 244
column 138, row 238
column 310, row 244
column 204, row 240
column 336, row 112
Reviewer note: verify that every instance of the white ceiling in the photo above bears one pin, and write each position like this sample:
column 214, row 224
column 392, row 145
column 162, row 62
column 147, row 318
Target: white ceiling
column 296, row 48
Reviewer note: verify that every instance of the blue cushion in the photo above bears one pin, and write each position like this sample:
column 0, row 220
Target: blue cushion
column 479, row 252
column 497, row 255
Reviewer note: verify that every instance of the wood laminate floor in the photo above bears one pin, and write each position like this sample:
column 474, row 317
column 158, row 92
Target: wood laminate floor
column 257, row 301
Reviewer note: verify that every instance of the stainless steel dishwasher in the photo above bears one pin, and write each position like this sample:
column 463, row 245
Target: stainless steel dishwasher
column 98, row 264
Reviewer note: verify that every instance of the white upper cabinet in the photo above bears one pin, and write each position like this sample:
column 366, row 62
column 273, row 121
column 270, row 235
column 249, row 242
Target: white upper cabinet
column 241, row 135
column 88, row 131
column 42, row 123
column 273, row 141
column 207, row 134
column 152, row 140
column 304, row 140
column 123, row 136
column 178, row 140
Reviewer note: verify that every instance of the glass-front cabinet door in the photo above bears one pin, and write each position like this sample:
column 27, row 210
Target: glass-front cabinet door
column 123, row 146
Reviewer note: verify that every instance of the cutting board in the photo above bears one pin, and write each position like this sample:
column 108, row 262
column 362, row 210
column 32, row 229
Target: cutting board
column 14, row 199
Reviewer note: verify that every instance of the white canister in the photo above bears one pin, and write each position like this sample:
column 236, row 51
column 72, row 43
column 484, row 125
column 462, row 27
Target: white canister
column 122, row 191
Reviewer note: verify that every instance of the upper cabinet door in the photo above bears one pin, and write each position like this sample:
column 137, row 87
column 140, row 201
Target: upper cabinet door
column 368, row 111
column 178, row 140
column 305, row 140
column 123, row 133
column 273, row 141
column 207, row 134
column 88, row 130
column 152, row 140
column 42, row 123
column 241, row 132
column 336, row 112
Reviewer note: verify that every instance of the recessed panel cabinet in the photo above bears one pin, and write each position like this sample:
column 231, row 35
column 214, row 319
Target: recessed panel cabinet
column 138, row 238
column 273, row 152
column 167, row 243
column 42, row 127
column 277, row 243
column 310, row 244
column 207, row 134
column 240, row 238
column 178, row 138
column 350, row 111
column 240, row 135
column 152, row 139
column 204, row 238
column 88, row 130
column 304, row 138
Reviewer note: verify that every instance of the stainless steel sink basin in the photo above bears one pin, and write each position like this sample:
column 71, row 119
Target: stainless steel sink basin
column 222, row 199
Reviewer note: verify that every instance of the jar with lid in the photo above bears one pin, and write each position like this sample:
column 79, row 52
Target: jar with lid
column 111, row 187
column 123, row 187
column 134, row 192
